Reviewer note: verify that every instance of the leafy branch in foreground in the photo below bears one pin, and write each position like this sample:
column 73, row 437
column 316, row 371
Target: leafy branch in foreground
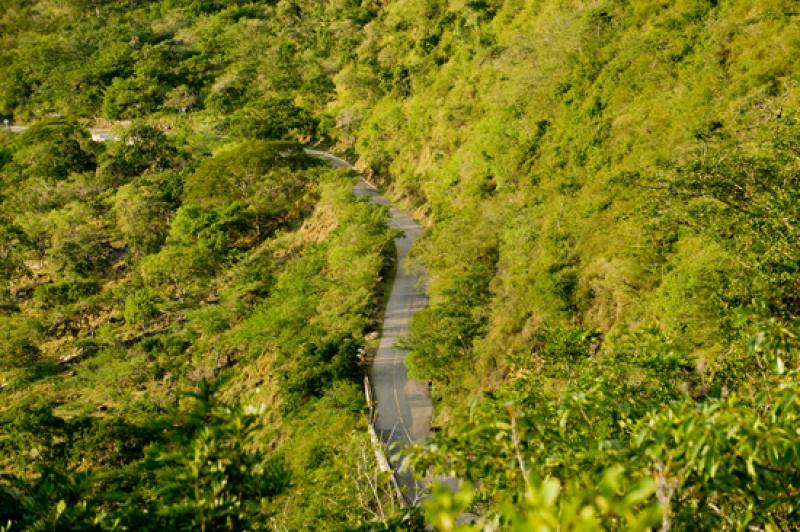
column 206, row 474
column 211, row 476
column 724, row 462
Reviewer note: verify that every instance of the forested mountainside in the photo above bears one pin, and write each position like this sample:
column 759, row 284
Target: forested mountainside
column 611, row 191
column 179, row 334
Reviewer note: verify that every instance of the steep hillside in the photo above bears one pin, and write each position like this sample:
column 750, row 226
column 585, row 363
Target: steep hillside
column 611, row 194
column 136, row 273
column 571, row 157
column 612, row 189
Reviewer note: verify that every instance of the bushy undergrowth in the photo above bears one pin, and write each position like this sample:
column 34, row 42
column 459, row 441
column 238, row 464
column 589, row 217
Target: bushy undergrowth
column 249, row 274
column 611, row 189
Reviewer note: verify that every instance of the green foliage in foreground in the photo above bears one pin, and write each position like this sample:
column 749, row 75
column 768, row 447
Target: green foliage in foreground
column 204, row 473
column 724, row 463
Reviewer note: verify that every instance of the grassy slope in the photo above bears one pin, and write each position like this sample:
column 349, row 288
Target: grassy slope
column 251, row 317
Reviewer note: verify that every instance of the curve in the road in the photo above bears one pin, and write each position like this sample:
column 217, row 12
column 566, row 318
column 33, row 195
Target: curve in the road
column 404, row 407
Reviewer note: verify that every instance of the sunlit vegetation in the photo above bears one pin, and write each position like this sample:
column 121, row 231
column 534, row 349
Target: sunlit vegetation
column 613, row 261
column 613, row 191
column 136, row 272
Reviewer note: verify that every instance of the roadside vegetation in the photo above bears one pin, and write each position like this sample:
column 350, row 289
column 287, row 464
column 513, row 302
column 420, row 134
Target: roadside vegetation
column 181, row 332
column 611, row 190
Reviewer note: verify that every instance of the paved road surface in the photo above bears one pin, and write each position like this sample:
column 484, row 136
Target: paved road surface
column 98, row 135
column 404, row 407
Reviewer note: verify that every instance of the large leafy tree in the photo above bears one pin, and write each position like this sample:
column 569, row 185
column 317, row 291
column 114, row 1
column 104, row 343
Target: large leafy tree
column 142, row 217
column 264, row 178
column 53, row 150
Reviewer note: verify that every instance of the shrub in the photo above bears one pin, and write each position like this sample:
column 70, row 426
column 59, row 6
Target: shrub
column 65, row 292
column 142, row 306
column 18, row 347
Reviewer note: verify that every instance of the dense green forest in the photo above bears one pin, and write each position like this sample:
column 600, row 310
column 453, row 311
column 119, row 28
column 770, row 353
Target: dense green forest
column 612, row 195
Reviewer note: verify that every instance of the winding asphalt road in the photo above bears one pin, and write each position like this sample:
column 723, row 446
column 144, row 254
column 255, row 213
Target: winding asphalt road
column 404, row 407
